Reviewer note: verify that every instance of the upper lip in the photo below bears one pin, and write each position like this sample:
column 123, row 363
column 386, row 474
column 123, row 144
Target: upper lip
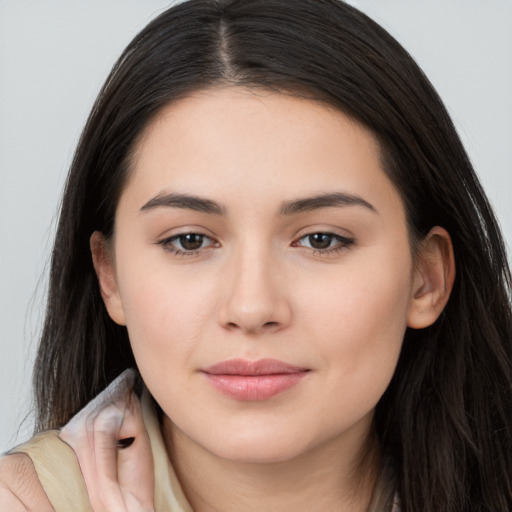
column 252, row 368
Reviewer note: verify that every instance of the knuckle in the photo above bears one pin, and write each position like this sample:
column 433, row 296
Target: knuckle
column 16, row 469
column 20, row 484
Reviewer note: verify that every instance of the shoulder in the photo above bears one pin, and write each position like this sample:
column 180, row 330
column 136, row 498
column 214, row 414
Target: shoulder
column 20, row 489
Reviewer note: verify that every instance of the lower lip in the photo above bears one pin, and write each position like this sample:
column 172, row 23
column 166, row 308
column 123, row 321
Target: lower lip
column 255, row 387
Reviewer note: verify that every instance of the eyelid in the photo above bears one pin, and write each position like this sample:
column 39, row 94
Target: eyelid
column 325, row 229
column 166, row 243
column 344, row 241
column 183, row 229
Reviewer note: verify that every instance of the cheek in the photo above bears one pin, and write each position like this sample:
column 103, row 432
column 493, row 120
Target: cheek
column 358, row 319
column 166, row 310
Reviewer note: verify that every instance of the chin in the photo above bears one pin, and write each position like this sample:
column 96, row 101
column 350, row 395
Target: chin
column 260, row 449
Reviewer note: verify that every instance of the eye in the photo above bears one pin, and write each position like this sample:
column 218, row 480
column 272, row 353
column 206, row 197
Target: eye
column 324, row 242
column 186, row 243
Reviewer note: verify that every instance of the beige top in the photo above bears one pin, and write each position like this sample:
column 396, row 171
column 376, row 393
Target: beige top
column 60, row 475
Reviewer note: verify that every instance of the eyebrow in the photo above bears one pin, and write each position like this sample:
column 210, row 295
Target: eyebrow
column 203, row 205
column 184, row 201
column 335, row 199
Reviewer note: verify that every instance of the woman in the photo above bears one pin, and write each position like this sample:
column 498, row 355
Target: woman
column 290, row 246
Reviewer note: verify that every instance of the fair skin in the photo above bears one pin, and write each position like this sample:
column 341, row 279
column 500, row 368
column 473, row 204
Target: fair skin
column 297, row 251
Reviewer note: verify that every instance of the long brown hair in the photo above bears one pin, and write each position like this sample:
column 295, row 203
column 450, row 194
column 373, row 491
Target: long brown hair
column 445, row 421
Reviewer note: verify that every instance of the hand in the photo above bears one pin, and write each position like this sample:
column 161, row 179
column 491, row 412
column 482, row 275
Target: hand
column 113, row 449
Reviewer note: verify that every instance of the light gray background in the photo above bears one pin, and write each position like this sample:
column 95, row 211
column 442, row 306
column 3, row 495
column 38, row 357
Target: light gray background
column 54, row 56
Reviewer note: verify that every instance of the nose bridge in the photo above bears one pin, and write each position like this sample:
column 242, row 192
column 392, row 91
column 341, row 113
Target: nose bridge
column 254, row 301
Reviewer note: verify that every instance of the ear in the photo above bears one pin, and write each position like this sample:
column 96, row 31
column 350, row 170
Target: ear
column 433, row 279
column 103, row 261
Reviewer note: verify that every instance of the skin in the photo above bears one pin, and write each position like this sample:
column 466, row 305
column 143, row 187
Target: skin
column 257, row 286
column 257, row 289
column 20, row 490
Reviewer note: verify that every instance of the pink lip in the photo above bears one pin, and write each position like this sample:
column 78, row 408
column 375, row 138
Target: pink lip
column 256, row 380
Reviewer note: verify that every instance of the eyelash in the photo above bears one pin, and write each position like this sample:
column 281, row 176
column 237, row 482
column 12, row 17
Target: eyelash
column 166, row 243
column 343, row 243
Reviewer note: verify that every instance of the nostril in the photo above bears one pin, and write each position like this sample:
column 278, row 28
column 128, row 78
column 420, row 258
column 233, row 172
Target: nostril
column 253, row 328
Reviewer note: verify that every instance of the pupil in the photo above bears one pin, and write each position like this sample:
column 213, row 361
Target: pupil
column 191, row 242
column 320, row 241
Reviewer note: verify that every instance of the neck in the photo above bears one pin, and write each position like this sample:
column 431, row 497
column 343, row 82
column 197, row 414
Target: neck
column 334, row 476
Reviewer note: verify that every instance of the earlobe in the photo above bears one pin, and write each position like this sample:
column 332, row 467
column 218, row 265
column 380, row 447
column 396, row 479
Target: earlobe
column 104, row 267
column 433, row 278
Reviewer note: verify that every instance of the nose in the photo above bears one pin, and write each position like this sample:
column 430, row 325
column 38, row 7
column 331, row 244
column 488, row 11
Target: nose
column 255, row 299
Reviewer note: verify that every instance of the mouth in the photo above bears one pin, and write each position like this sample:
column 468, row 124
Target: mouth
column 253, row 380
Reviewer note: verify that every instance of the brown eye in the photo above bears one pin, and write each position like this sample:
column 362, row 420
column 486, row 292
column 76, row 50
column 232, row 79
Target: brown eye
column 324, row 242
column 191, row 241
column 320, row 240
column 187, row 243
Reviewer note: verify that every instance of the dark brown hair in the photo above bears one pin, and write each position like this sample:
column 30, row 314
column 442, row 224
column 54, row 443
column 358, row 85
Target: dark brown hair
column 445, row 421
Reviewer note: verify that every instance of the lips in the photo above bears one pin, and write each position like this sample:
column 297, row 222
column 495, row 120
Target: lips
column 253, row 380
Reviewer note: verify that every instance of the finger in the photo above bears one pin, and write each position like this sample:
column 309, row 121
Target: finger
column 20, row 488
column 79, row 435
column 135, row 463
column 92, row 433
column 125, row 477
column 107, row 425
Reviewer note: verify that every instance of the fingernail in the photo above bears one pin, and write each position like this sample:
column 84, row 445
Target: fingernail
column 125, row 443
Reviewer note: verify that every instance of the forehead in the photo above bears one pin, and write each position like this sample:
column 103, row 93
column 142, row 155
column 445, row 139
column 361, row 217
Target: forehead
column 227, row 141
column 239, row 113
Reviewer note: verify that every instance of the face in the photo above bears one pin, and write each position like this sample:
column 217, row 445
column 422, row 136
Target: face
column 262, row 266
